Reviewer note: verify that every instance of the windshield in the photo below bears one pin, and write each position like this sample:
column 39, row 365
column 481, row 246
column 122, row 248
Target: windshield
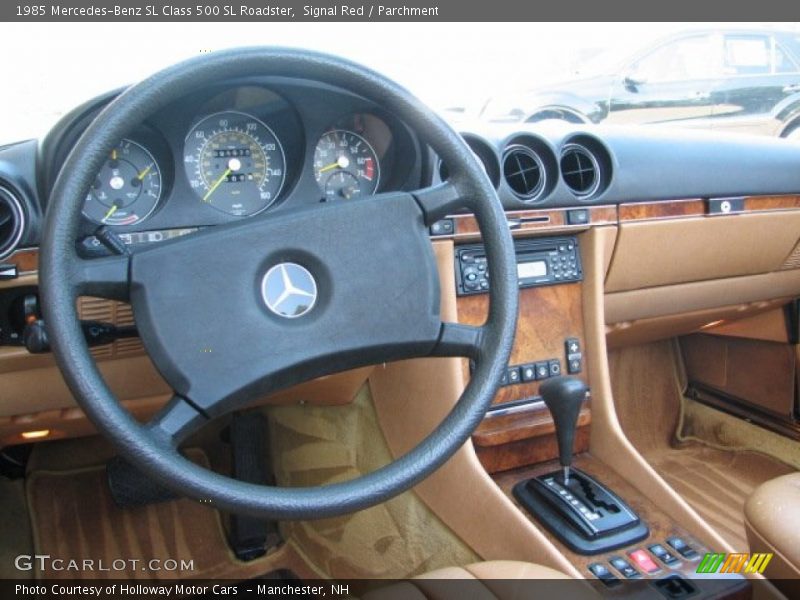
column 458, row 68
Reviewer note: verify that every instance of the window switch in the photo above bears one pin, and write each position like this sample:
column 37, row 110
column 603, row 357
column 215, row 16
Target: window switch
column 624, row 567
column 682, row 548
column 600, row 571
column 663, row 555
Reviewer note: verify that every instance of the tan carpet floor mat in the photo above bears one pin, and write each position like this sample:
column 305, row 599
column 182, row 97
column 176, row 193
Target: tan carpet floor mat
column 74, row 518
column 716, row 483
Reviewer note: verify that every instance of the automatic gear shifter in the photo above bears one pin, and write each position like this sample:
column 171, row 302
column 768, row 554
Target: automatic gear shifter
column 564, row 397
column 584, row 514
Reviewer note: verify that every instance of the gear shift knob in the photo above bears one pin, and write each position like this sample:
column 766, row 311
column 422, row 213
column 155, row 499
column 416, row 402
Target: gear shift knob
column 564, row 397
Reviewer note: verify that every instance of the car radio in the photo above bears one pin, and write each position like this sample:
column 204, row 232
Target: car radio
column 545, row 261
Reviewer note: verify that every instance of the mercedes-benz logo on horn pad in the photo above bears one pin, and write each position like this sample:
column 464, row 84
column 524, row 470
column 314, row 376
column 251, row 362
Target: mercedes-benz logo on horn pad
column 289, row 290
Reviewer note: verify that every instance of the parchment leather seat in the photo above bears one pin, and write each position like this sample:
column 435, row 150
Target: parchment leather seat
column 772, row 522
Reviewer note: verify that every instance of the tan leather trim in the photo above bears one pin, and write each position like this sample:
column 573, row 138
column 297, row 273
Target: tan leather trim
column 411, row 398
column 634, row 333
column 33, row 390
column 660, row 253
column 608, row 442
column 701, row 295
column 769, row 326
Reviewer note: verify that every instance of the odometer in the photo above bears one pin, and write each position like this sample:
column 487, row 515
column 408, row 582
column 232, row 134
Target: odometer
column 235, row 163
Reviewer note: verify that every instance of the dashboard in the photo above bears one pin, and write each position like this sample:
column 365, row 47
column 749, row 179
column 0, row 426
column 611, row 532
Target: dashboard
column 234, row 151
column 249, row 148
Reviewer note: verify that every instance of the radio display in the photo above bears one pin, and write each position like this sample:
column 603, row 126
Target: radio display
column 528, row 270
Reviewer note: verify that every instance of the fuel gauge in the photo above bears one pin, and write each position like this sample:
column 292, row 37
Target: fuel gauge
column 127, row 189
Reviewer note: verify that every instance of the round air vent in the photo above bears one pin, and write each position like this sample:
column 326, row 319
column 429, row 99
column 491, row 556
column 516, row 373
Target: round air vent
column 484, row 152
column 580, row 170
column 12, row 221
column 524, row 172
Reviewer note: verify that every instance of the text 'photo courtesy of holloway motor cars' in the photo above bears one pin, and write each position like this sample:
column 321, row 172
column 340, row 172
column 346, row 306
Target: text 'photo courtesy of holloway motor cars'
column 342, row 310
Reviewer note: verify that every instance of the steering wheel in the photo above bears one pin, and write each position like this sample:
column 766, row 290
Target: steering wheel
column 234, row 312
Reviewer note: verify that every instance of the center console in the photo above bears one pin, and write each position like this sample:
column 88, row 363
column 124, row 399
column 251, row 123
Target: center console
column 607, row 528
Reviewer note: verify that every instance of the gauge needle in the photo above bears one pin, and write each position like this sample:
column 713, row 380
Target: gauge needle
column 111, row 212
column 144, row 173
column 342, row 163
column 216, row 184
column 329, row 167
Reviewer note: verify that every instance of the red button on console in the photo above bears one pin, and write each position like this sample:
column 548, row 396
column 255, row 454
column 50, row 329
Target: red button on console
column 643, row 561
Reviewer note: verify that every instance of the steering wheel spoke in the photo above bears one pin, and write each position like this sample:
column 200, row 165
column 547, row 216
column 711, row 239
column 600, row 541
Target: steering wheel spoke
column 176, row 421
column 439, row 201
column 457, row 339
column 107, row 277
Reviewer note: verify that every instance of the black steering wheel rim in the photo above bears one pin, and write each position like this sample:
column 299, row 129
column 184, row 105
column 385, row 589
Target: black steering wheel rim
column 156, row 455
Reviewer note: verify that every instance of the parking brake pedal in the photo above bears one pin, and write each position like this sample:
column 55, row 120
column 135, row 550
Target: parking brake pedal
column 251, row 538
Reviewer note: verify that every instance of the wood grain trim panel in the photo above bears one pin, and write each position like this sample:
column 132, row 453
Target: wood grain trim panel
column 513, row 427
column 547, row 316
column 669, row 209
column 466, row 226
column 27, row 260
column 696, row 207
column 522, row 453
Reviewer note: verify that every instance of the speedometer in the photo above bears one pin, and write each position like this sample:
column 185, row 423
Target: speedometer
column 235, row 163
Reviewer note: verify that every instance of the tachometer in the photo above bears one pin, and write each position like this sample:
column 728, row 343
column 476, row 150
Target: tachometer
column 235, row 163
column 127, row 188
column 345, row 165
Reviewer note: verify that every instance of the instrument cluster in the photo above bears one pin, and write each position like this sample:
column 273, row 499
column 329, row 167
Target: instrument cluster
column 241, row 150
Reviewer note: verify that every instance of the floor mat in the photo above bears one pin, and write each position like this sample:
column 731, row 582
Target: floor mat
column 716, row 483
column 74, row 518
